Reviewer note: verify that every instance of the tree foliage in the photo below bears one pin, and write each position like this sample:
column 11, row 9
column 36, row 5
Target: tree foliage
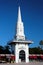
column 41, row 44
column 4, row 50
column 1, row 49
column 35, row 50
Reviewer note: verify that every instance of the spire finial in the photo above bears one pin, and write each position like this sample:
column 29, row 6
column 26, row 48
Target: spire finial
column 19, row 15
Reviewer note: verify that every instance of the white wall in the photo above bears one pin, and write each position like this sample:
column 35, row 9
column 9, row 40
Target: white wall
column 18, row 48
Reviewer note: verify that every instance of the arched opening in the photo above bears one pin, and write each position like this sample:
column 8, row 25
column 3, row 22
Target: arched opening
column 22, row 55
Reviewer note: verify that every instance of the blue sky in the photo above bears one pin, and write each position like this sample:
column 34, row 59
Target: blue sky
column 32, row 17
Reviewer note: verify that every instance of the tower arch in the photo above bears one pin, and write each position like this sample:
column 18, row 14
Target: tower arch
column 22, row 55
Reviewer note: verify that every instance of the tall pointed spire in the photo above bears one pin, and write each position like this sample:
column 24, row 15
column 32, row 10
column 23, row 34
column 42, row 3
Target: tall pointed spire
column 20, row 27
column 19, row 15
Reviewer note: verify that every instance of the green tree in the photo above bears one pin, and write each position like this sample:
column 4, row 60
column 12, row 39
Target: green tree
column 41, row 44
column 35, row 50
column 1, row 49
column 6, row 50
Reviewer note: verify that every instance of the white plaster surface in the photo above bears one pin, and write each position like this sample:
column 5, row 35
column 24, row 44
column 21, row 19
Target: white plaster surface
column 20, row 47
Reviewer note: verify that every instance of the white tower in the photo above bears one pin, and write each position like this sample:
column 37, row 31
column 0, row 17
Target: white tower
column 20, row 45
column 20, row 28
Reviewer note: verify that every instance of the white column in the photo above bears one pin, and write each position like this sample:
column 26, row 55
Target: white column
column 27, row 54
column 16, row 53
